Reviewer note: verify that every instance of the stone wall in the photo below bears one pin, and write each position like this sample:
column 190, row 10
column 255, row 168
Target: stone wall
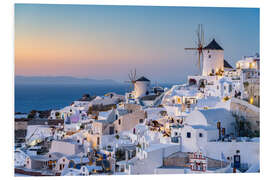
column 250, row 112
column 181, row 159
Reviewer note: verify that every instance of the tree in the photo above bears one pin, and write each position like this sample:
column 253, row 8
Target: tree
column 32, row 114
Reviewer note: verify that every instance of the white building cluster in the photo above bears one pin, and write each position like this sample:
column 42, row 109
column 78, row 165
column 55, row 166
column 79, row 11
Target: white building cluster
column 188, row 128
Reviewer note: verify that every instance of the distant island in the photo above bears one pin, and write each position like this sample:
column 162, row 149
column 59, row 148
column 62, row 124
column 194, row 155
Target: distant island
column 61, row 80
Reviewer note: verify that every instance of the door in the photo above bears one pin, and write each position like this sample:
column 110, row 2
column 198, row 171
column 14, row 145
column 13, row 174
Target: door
column 111, row 130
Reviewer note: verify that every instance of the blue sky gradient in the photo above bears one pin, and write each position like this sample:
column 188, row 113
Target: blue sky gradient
column 107, row 41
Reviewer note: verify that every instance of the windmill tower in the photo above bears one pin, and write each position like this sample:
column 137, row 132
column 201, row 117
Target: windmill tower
column 199, row 48
column 213, row 59
column 141, row 87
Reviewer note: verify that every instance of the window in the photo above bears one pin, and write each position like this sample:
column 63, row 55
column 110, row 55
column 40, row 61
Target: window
column 230, row 88
column 141, row 121
column 200, row 135
column 218, row 125
column 175, row 134
column 209, row 56
column 119, row 121
column 97, row 140
column 111, row 130
column 188, row 135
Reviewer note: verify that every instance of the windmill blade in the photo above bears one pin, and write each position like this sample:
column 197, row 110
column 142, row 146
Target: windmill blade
column 135, row 74
column 199, row 63
column 191, row 48
column 202, row 35
column 131, row 76
column 202, row 60
column 200, row 43
column 198, row 36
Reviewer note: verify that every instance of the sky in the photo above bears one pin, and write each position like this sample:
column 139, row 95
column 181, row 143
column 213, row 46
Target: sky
column 106, row 42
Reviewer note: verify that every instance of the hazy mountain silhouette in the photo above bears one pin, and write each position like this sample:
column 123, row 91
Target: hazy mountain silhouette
column 60, row 80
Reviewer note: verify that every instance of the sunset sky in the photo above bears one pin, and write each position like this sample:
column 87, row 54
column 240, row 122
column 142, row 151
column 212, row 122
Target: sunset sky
column 105, row 42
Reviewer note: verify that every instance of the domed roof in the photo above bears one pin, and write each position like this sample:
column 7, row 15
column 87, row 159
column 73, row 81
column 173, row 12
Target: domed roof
column 209, row 117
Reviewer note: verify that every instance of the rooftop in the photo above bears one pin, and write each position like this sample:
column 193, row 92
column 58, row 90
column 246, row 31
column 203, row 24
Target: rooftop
column 142, row 79
column 227, row 65
column 213, row 45
column 149, row 97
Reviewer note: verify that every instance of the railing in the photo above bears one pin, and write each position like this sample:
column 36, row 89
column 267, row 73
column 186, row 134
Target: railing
column 244, row 103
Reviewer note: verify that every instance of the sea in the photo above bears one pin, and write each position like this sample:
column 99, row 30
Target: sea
column 47, row 96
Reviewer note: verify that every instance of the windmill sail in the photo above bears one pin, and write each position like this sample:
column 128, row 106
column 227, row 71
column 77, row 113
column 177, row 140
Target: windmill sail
column 199, row 48
column 132, row 75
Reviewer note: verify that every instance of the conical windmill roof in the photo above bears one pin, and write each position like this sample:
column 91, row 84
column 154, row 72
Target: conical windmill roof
column 142, row 79
column 213, row 45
